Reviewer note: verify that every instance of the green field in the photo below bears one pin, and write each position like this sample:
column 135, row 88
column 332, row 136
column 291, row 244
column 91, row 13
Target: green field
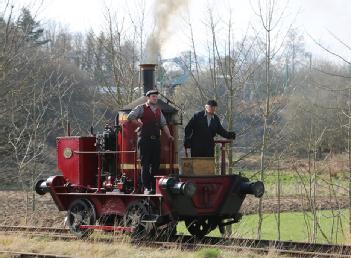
column 295, row 226
column 293, row 182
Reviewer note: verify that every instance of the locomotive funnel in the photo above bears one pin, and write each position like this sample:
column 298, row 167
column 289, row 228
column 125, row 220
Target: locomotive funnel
column 148, row 76
column 254, row 188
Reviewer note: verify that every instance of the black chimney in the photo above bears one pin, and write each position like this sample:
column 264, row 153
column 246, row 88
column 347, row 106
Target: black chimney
column 148, row 76
column 147, row 72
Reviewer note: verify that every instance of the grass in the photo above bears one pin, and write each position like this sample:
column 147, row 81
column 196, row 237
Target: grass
column 208, row 253
column 295, row 226
column 79, row 248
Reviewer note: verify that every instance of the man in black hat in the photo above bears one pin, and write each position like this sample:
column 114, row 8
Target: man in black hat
column 202, row 128
column 149, row 119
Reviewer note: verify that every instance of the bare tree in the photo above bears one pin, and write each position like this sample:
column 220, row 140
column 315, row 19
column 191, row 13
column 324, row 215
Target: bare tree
column 270, row 22
column 345, row 107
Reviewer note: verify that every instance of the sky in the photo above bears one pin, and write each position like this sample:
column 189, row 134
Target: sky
column 315, row 18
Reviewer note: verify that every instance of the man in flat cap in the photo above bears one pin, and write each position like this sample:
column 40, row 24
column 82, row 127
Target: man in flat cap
column 202, row 128
column 149, row 119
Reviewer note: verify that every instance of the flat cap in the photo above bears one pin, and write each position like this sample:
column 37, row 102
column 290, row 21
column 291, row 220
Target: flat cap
column 212, row 103
column 150, row 92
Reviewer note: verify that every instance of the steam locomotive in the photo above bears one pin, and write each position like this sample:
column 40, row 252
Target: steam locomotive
column 100, row 183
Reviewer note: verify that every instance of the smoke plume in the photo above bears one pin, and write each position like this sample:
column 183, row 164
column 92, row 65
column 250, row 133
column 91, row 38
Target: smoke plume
column 164, row 11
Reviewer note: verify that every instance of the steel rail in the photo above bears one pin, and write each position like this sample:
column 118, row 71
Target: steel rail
column 30, row 255
column 296, row 249
column 33, row 229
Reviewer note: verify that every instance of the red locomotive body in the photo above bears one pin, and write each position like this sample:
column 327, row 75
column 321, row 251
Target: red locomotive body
column 78, row 170
column 99, row 186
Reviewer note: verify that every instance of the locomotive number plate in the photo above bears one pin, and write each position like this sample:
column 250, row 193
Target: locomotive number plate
column 67, row 153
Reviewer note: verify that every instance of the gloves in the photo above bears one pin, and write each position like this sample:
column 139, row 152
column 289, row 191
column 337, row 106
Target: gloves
column 232, row 135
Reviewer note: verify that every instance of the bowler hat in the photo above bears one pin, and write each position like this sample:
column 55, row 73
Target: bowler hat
column 150, row 92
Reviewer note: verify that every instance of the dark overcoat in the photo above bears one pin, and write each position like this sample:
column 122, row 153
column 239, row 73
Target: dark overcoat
column 199, row 136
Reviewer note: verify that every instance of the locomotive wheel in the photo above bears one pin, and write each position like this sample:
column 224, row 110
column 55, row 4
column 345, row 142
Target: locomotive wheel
column 225, row 231
column 199, row 227
column 81, row 212
column 134, row 214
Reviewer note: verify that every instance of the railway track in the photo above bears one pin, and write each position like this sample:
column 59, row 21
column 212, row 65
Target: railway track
column 33, row 229
column 53, row 233
column 30, row 255
column 295, row 249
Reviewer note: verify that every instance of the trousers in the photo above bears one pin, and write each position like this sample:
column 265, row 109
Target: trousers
column 150, row 150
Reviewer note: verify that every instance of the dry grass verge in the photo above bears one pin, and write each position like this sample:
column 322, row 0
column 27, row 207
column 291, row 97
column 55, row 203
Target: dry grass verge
column 123, row 249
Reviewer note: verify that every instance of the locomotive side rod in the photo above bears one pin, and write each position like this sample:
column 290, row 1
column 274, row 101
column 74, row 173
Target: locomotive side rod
column 109, row 228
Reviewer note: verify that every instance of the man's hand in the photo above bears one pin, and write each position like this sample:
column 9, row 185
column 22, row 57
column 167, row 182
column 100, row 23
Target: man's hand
column 171, row 138
column 186, row 152
column 140, row 124
column 137, row 122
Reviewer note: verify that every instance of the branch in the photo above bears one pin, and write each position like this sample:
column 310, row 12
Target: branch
column 328, row 50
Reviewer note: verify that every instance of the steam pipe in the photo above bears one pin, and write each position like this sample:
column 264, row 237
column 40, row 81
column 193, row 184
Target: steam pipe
column 68, row 128
column 117, row 120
